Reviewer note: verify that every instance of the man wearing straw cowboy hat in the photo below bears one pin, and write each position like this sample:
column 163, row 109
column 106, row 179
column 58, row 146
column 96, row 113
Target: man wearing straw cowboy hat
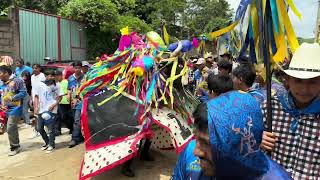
column 294, row 141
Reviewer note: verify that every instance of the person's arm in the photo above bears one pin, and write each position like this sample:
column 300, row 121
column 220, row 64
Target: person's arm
column 36, row 104
column 43, row 77
column 59, row 98
column 55, row 104
column 69, row 94
column 20, row 95
column 22, row 91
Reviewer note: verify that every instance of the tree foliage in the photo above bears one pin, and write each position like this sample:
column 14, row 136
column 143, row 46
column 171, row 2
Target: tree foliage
column 93, row 13
column 104, row 18
column 47, row 6
column 183, row 18
column 203, row 16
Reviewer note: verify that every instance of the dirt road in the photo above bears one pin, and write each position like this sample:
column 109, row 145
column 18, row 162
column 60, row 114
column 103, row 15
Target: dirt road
column 64, row 163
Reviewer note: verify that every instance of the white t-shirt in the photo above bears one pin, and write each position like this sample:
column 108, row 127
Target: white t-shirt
column 35, row 80
column 47, row 96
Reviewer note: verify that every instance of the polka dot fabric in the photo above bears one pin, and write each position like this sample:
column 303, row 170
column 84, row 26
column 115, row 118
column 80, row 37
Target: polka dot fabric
column 177, row 129
column 107, row 157
column 162, row 138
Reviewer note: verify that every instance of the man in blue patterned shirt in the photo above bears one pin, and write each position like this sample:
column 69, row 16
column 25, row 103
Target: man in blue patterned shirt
column 74, row 82
column 13, row 93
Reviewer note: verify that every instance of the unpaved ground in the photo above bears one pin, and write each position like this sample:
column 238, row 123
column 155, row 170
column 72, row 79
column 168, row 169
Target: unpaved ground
column 64, row 163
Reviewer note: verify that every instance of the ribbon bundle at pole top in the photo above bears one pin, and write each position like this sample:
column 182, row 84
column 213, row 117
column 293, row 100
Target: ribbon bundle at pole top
column 250, row 17
column 266, row 31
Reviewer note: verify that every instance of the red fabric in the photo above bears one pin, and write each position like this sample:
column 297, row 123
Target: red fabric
column 3, row 121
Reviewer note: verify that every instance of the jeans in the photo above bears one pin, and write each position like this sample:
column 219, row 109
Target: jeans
column 64, row 116
column 76, row 133
column 51, row 131
column 12, row 130
column 25, row 108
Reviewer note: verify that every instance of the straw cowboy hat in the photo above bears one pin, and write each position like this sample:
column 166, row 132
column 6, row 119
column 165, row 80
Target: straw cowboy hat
column 201, row 61
column 305, row 63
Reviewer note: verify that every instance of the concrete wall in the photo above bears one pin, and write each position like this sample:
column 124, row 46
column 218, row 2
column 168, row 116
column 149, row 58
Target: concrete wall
column 9, row 36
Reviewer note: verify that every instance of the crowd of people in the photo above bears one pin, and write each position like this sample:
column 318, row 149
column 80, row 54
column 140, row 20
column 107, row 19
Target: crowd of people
column 230, row 125
column 293, row 142
column 49, row 98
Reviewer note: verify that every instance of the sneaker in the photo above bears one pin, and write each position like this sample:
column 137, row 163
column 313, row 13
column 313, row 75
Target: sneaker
column 44, row 147
column 49, row 149
column 14, row 151
column 35, row 134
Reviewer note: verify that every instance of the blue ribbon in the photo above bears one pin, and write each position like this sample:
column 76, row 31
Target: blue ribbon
column 272, row 40
column 253, row 56
column 274, row 11
column 242, row 9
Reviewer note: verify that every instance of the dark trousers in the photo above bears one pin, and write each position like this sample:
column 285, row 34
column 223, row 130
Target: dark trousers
column 144, row 152
column 65, row 116
column 51, row 131
column 76, row 133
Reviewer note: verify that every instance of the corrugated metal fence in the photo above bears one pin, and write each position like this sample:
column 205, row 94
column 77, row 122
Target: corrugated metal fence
column 43, row 35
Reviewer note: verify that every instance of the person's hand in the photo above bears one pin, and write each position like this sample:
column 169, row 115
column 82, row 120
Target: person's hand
column 268, row 141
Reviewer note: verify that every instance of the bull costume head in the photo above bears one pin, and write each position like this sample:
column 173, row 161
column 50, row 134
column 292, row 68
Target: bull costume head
column 134, row 93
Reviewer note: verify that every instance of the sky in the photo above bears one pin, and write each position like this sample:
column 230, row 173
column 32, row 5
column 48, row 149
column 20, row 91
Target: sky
column 306, row 26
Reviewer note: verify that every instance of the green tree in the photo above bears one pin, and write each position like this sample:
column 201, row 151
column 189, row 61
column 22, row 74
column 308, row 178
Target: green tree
column 104, row 19
column 202, row 16
column 158, row 12
column 47, row 6
column 183, row 18
column 134, row 23
column 93, row 13
column 125, row 7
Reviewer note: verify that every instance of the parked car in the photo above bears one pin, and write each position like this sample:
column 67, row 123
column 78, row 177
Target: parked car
column 52, row 65
column 64, row 66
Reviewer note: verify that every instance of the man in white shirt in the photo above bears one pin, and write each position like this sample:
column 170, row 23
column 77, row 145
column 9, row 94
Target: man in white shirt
column 36, row 78
column 47, row 97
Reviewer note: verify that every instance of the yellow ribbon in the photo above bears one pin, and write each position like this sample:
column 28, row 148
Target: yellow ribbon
column 281, row 47
column 255, row 22
column 222, row 31
column 163, row 97
column 294, row 9
column 174, row 77
column 165, row 35
column 291, row 36
column 113, row 96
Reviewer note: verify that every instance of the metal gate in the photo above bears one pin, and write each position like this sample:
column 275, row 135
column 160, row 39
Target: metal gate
column 43, row 35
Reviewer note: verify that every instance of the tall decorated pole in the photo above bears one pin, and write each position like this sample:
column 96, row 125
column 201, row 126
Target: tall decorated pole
column 266, row 34
column 267, row 61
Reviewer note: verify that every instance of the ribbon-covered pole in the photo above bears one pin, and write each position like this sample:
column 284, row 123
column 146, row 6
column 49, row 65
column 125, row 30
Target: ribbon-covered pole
column 267, row 61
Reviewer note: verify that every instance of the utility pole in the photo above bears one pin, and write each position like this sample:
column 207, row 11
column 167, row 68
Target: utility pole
column 317, row 35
